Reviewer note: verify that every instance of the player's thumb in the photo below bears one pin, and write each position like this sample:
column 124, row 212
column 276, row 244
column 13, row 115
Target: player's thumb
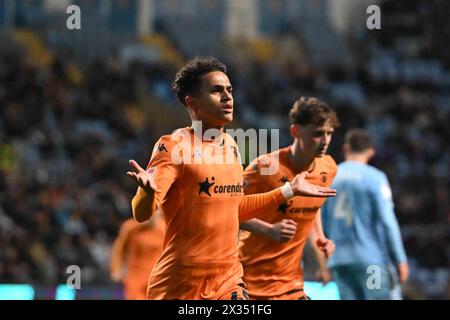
column 302, row 175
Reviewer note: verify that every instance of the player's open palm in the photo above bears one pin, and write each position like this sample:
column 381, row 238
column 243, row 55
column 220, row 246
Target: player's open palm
column 301, row 187
column 142, row 177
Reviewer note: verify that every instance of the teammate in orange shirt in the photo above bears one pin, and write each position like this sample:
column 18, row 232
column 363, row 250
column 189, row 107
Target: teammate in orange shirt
column 137, row 248
column 195, row 177
column 271, row 253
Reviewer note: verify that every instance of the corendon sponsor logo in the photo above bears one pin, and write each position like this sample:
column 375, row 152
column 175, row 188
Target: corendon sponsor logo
column 289, row 208
column 323, row 177
column 207, row 186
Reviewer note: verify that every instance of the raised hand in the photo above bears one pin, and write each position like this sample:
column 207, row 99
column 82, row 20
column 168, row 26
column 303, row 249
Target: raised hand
column 301, row 187
column 283, row 231
column 142, row 177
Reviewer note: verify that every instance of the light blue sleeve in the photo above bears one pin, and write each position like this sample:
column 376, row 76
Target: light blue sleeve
column 325, row 212
column 385, row 210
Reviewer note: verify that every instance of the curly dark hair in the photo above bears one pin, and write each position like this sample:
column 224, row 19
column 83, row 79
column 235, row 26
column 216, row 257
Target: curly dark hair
column 312, row 111
column 187, row 80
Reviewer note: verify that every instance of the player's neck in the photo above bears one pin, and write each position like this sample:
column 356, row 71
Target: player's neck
column 298, row 160
column 203, row 126
column 361, row 158
column 200, row 127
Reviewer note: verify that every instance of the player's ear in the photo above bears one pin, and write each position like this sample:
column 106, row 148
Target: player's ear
column 190, row 102
column 371, row 153
column 187, row 101
column 294, row 131
column 345, row 149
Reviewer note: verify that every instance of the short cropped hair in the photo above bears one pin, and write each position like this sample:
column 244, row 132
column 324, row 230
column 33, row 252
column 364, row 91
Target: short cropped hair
column 358, row 140
column 188, row 78
column 312, row 111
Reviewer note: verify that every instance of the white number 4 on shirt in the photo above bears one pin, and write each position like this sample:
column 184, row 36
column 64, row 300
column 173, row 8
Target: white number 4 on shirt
column 343, row 209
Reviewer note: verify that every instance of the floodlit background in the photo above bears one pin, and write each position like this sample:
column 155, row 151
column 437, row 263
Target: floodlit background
column 75, row 105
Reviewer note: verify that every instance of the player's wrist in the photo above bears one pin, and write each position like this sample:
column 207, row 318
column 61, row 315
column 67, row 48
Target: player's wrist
column 145, row 191
column 273, row 232
column 287, row 191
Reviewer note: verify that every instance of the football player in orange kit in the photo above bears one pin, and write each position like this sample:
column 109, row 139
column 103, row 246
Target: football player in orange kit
column 137, row 247
column 271, row 253
column 200, row 194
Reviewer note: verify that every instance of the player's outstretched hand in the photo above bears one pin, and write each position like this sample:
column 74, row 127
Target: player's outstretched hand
column 283, row 231
column 142, row 177
column 301, row 187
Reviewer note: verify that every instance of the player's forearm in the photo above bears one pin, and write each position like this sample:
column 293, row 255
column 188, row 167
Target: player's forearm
column 253, row 205
column 395, row 243
column 256, row 226
column 392, row 231
column 318, row 254
column 317, row 230
column 142, row 205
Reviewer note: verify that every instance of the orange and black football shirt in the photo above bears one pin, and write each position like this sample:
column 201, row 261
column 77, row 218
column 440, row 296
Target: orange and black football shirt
column 200, row 192
column 271, row 268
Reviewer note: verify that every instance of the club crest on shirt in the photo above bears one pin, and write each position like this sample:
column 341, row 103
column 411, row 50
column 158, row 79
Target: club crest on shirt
column 237, row 156
column 323, row 177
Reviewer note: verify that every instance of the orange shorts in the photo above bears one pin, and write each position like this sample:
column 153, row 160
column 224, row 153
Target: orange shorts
column 221, row 284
